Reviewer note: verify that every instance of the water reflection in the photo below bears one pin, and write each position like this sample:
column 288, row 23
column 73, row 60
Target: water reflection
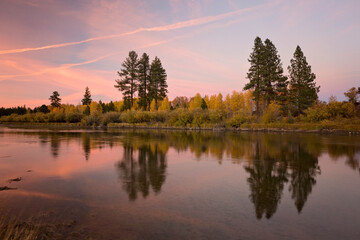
column 274, row 163
column 149, row 170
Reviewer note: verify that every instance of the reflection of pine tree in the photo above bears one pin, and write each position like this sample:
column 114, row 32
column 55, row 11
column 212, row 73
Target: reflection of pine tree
column 55, row 145
column 304, row 168
column 86, row 144
column 266, row 183
column 148, row 171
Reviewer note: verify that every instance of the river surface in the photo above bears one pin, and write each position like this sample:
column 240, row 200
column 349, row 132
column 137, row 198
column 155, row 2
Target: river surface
column 137, row 184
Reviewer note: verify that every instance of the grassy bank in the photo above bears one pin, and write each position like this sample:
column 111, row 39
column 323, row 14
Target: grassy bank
column 182, row 119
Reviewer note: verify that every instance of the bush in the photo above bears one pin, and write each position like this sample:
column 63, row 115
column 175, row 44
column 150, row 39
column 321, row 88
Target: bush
column 127, row 117
column 159, row 116
column 199, row 116
column 216, row 116
column 74, row 117
column 184, row 117
column 110, row 117
column 93, row 120
column 272, row 113
column 40, row 117
column 142, row 116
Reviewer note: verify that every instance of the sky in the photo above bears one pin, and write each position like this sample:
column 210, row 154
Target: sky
column 204, row 45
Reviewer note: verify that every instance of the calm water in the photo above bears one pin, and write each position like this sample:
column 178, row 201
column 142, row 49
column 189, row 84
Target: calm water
column 183, row 185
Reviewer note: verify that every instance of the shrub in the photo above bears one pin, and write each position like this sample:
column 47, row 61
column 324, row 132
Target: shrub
column 184, row 117
column 216, row 116
column 74, row 117
column 159, row 116
column 272, row 113
column 93, row 120
column 199, row 116
column 40, row 117
column 110, row 117
column 127, row 117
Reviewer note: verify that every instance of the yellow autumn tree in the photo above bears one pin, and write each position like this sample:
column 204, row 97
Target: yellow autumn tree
column 249, row 102
column 237, row 101
column 95, row 108
column 69, row 108
column 207, row 101
column 212, row 101
column 196, row 102
column 135, row 104
column 219, row 104
column 118, row 105
column 165, row 104
column 227, row 103
column 153, row 106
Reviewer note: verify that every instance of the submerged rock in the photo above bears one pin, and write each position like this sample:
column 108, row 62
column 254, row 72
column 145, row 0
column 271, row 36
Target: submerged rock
column 15, row 180
column 6, row 188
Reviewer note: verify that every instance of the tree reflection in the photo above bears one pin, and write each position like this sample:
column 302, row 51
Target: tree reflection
column 266, row 181
column 55, row 145
column 149, row 170
column 277, row 160
column 86, row 144
column 303, row 171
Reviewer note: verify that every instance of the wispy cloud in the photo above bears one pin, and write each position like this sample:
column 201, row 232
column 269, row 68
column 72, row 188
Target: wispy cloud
column 174, row 26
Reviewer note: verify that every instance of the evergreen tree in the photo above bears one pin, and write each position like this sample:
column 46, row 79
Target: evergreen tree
column 87, row 97
column 203, row 104
column 274, row 80
column 144, row 81
column 87, row 110
column 110, row 107
column 54, row 99
column 158, row 85
column 255, row 73
column 303, row 89
column 103, row 106
column 128, row 77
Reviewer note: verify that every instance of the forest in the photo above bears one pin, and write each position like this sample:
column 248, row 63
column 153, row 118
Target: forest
column 270, row 99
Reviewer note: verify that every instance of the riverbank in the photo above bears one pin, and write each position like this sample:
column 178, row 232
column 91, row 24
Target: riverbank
column 330, row 128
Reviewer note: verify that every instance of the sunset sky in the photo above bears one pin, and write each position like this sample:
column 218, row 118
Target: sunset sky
column 66, row 45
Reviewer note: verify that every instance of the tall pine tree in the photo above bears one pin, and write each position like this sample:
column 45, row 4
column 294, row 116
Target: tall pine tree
column 274, row 80
column 144, row 81
column 127, row 83
column 255, row 73
column 303, row 89
column 158, row 85
column 87, row 97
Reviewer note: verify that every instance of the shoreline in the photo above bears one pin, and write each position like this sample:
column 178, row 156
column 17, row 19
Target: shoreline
column 254, row 128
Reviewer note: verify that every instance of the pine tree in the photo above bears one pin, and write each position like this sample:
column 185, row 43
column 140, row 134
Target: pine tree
column 128, row 76
column 144, row 81
column 275, row 81
column 54, row 99
column 87, row 97
column 255, row 73
column 203, row 104
column 303, row 89
column 158, row 85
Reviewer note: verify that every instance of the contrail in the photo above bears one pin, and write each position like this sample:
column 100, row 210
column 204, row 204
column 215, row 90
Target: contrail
column 179, row 25
column 66, row 66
